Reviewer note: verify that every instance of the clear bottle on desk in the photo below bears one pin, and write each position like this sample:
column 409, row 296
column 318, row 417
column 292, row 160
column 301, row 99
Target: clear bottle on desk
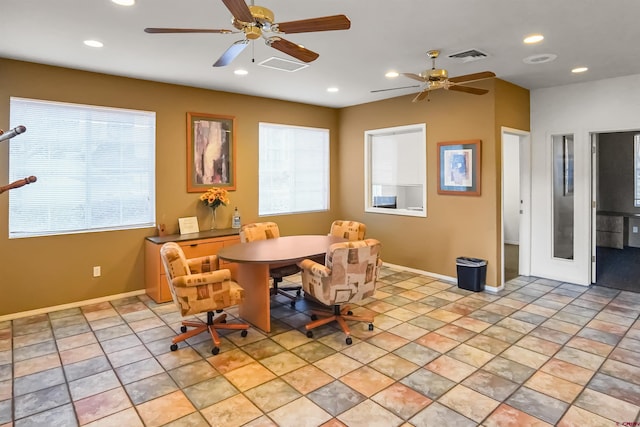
column 235, row 222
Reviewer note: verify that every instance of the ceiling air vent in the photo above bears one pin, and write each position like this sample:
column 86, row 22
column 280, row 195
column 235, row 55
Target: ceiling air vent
column 283, row 64
column 469, row 55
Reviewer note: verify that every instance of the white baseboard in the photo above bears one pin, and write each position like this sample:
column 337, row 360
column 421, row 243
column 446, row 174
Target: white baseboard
column 453, row 280
column 12, row 316
column 426, row 273
column 18, row 315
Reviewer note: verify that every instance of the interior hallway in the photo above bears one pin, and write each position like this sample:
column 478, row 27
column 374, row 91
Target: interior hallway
column 511, row 259
column 538, row 352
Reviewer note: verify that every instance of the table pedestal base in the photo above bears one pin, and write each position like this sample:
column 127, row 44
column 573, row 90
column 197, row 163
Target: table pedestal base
column 254, row 279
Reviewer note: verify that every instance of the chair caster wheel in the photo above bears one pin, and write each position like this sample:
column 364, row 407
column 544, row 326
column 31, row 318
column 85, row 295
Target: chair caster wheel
column 309, row 334
column 183, row 328
column 293, row 304
column 314, row 317
column 244, row 333
column 298, row 292
column 215, row 350
column 348, row 340
column 349, row 313
column 219, row 311
column 174, row 347
column 371, row 326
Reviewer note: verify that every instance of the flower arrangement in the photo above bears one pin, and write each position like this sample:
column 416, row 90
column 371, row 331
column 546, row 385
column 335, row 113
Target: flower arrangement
column 215, row 197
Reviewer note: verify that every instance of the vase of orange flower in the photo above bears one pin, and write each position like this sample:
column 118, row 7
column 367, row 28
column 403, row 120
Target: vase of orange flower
column 214, row 198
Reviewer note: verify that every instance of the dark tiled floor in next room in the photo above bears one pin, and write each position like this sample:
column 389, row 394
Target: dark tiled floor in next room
column 539, row 353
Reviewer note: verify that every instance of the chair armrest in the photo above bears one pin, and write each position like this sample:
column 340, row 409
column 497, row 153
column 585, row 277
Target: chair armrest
column 200, row 279
column 314, row 268
column 203, row 264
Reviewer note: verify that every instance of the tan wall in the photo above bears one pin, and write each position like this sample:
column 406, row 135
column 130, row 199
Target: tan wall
column 48, row 271
column 512, row 111
column 455, row 225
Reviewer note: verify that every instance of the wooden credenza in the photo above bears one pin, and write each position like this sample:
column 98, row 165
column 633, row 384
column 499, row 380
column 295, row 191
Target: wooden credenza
column 193, row 245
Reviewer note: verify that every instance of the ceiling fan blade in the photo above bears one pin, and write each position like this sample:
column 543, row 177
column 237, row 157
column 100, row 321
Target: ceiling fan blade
column 325, row 23
column 231, row 53
column 468, row 89
column 292, row 49
column 414, row 77
column 422, row 95
column 472, row 77
column 239, row 10
column 394, row 88
column 183, row 30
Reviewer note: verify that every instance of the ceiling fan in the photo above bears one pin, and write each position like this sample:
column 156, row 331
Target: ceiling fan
column 258, row 21
column 438, row 79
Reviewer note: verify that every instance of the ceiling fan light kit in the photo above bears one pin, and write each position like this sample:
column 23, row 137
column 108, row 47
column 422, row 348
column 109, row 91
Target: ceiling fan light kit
column 256, row 22
column 436, row 75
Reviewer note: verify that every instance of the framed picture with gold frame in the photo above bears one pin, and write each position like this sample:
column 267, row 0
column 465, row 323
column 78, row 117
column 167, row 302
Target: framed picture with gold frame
column 210, row 152
column 459, row 167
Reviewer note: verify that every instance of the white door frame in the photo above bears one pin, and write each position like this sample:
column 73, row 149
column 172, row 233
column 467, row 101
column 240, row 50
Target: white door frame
column 594, row 192
column 524, row 262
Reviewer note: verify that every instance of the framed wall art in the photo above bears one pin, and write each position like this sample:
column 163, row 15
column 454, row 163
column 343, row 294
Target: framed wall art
column 459, row 168
column 210, row 152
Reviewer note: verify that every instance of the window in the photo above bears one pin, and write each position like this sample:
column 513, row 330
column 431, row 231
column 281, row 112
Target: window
column 293, row 169
column 95, row 168
column 396, row 170
column 562, row 196
column 636, row 169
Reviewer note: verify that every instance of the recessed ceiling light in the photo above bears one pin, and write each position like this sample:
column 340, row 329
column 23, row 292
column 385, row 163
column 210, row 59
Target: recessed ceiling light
column 93, row 43
column 579, row 70
column 332, row 89
column 240, row 72
column 392, row 74
column 124, row 2
column 533, row 38
column 539, row 59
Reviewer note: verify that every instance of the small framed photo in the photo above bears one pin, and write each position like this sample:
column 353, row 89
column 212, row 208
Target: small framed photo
column 210, row 152
column 459, row 167
column 188, row 225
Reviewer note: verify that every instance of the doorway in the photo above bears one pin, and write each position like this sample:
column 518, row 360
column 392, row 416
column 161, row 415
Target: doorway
column 616, row 220
column 516, row 194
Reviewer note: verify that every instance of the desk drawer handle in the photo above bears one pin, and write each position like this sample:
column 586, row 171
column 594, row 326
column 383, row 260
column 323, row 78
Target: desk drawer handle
column 194, row 245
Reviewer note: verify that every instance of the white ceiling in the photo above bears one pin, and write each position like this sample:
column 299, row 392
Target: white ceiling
column 385, row 34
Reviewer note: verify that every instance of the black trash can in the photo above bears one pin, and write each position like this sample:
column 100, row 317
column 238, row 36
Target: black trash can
column 472, row 273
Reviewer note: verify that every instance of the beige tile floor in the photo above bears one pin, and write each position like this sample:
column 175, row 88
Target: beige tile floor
column 539, row 353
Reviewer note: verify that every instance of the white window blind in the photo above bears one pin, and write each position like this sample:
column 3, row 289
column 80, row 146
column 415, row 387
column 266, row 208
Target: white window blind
column 293, row 169
column 395, row 170
column 95, row 168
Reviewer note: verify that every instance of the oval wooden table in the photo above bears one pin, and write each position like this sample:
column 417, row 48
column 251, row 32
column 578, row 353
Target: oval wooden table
column 255, row 258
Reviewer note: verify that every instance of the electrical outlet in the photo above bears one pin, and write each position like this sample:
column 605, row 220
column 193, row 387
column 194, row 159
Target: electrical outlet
column 96, row 271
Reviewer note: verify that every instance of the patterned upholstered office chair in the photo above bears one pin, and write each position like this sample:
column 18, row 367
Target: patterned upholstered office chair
column 348, row 276
column 198, row 286
column 350, row 230
column 270, row 230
